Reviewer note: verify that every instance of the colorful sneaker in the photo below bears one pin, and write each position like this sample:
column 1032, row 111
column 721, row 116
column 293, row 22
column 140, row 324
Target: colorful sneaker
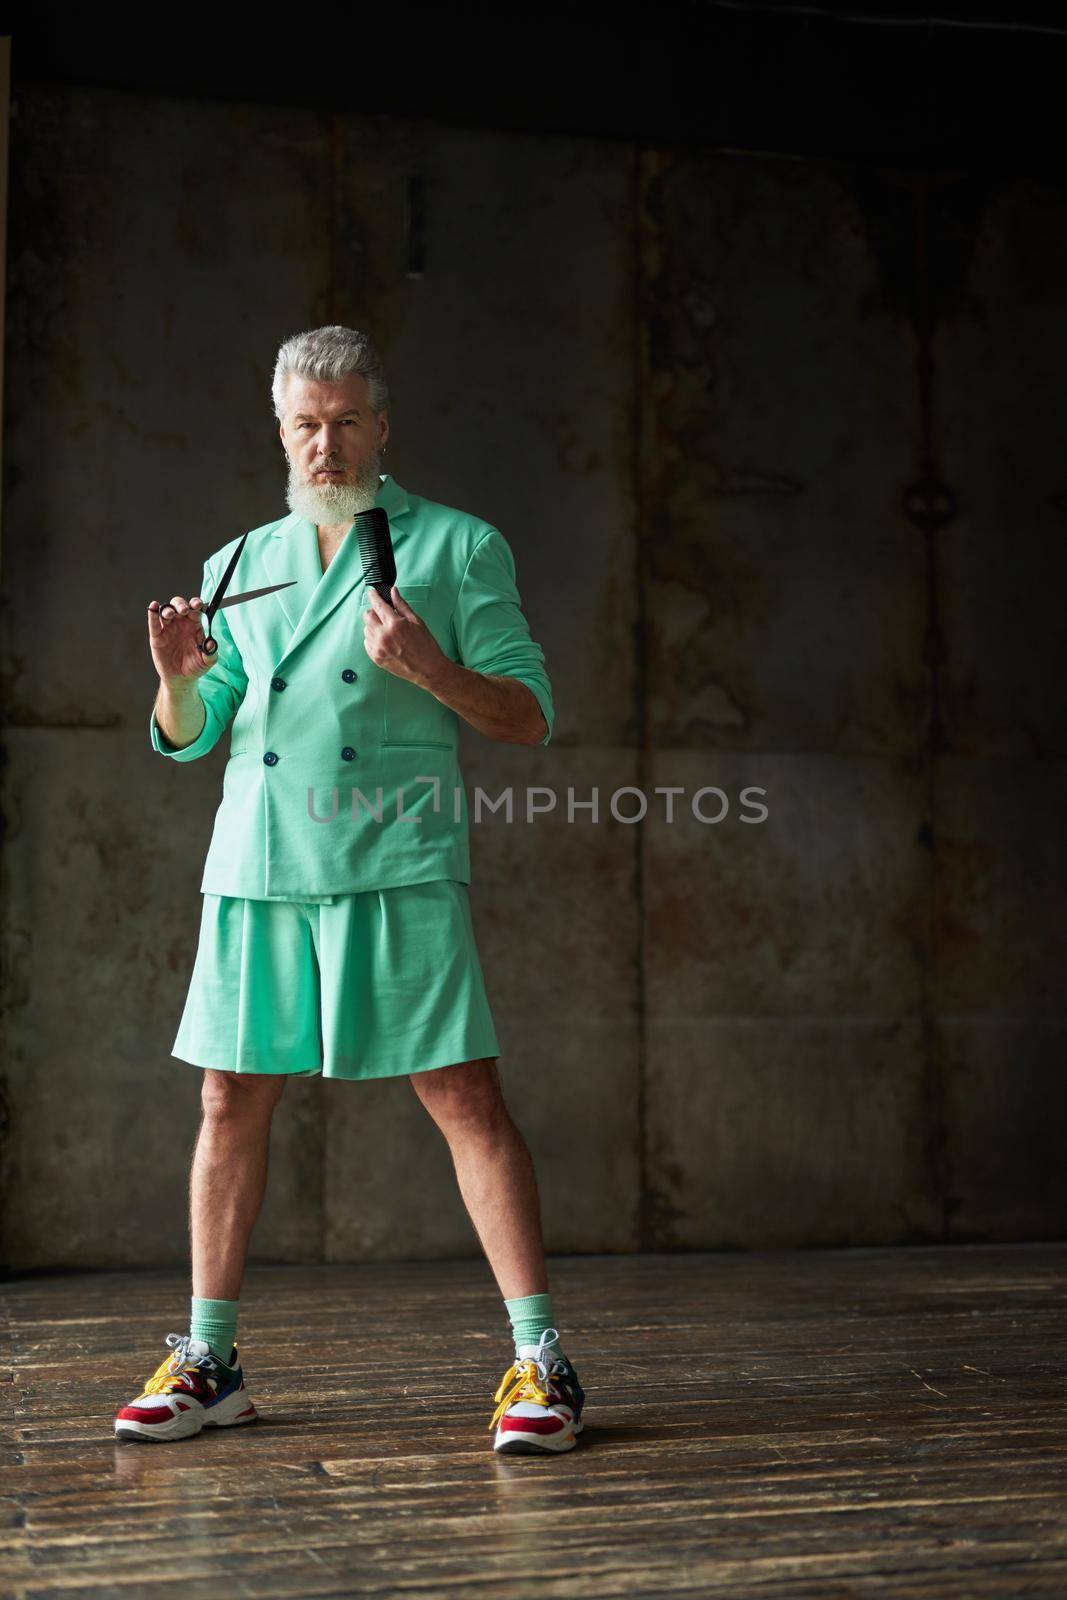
column 539, row 1403
column 190, row 1390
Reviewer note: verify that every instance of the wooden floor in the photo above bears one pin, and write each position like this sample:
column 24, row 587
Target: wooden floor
column 818, row 1424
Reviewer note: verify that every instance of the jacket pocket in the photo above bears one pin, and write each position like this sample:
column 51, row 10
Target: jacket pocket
column 415, row 744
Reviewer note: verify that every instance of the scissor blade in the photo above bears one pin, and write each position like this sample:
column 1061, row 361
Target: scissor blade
column 216, row 599
column 254, row 594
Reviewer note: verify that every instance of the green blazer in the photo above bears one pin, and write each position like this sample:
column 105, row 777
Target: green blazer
column 324, row 742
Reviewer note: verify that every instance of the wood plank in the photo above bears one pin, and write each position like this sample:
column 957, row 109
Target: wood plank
column 817, row 1423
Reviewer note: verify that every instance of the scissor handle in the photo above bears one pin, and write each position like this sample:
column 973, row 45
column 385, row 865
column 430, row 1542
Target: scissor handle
column 208, row 647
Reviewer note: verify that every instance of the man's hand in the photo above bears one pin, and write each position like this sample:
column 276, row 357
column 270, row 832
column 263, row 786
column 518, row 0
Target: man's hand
column 175, row 629
column 499, row 707
column 400, row 641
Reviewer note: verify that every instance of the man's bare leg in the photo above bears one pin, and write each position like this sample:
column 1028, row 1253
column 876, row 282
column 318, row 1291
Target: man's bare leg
column 494, row 1169
column 228, row 1177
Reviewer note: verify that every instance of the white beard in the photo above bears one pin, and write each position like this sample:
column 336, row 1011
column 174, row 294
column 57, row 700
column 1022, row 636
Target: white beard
column 329, row 504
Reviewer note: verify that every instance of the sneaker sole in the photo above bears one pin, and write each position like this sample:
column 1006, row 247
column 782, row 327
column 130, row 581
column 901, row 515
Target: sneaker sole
column 534, row 1444
column 232, row 1412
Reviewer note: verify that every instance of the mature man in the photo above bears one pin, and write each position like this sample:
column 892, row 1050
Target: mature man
column 336, row 937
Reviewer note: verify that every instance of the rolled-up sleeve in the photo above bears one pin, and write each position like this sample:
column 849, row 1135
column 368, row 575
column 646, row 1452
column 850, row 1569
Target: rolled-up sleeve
column 491, row 632
column 222, row 689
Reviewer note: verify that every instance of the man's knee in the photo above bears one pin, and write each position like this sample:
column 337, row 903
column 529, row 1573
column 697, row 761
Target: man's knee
column 467, row 1094
column 225, row 1094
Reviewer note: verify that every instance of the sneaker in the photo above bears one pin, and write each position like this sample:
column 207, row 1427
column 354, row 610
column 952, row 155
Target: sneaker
column 539, row 1403
column 190, row 1390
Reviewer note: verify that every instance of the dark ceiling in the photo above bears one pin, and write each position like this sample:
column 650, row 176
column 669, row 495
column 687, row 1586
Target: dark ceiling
column 959, row 85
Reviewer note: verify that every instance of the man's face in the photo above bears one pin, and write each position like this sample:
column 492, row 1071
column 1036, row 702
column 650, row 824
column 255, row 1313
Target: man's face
column 334, row 441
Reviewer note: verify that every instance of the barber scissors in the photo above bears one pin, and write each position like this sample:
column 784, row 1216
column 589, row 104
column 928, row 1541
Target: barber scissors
column 210, row 645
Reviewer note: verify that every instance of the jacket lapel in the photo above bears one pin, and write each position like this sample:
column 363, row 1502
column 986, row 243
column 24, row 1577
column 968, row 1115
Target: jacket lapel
column 292, row 552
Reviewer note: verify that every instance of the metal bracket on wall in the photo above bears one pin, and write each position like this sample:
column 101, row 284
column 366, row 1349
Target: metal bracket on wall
column 929, row 504
column 415, row 219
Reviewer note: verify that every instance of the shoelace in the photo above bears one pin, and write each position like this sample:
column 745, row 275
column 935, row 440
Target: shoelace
column 527, row 1379
column 170, row 1372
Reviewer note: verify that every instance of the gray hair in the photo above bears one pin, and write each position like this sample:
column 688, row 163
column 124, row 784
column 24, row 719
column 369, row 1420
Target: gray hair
column 328, row 355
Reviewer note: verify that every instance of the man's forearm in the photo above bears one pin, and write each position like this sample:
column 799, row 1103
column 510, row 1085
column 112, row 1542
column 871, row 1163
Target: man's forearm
column 499, row 707
column 180, row 712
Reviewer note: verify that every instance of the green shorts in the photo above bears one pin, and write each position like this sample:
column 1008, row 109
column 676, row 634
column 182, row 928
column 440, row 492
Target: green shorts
column 372, row 985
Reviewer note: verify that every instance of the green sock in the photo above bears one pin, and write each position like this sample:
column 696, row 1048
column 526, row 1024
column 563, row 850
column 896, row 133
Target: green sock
column 216, row 1322
column 530, row 1315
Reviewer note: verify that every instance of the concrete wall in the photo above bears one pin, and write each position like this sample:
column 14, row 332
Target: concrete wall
column 701, row 395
